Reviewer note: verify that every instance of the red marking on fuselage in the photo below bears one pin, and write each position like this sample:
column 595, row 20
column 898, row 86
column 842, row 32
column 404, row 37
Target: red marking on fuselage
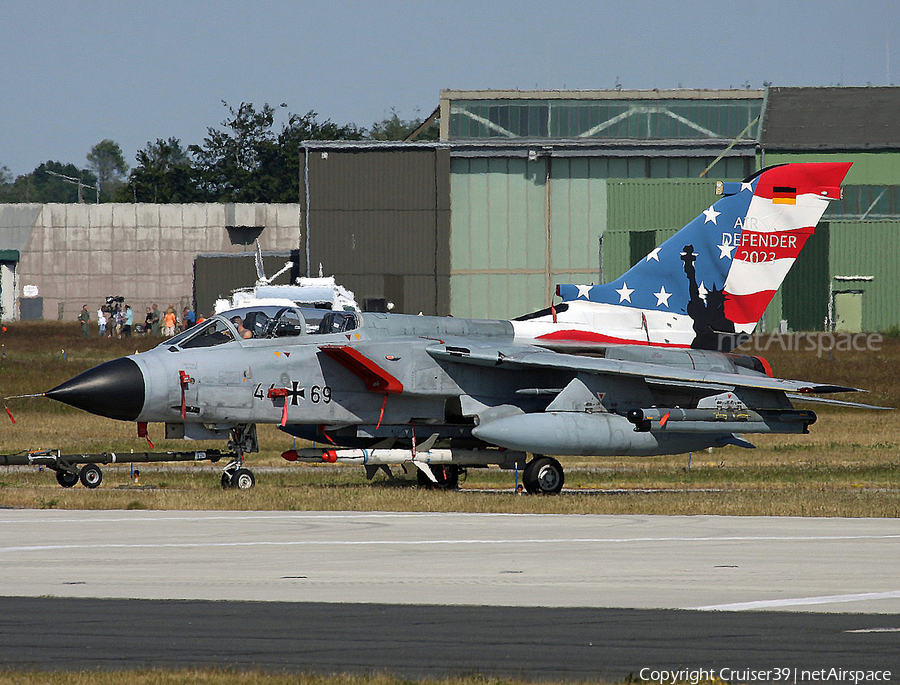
column 591, row 336
column 375, row 378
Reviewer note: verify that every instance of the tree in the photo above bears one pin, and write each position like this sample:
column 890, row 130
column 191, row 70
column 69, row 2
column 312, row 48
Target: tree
column 164, row 173
column 41, row 186
column 395, row 128
column 106, row 159
column 246, row 161
column 6, row 181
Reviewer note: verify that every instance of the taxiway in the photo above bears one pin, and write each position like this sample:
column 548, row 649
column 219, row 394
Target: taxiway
column 420, row 595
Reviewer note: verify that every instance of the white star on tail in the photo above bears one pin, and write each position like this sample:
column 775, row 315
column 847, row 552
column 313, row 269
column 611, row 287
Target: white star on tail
column 625, row 293
column 710, row 215
column 725, row 250
column 654, row 254
column 584, row 291
column 662, row 297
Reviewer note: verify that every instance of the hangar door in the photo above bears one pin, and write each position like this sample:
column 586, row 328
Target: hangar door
column 520, row 226
column 217, row 275
column 8, row 261
column 848, row 311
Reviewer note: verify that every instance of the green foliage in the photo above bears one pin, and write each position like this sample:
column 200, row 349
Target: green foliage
column 164, row 173
column 107, row 161
column 247, row 161
column 395, row 128
column 40, row 186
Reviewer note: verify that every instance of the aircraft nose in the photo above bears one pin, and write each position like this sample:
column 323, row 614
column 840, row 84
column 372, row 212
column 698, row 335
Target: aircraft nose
column 114, row 389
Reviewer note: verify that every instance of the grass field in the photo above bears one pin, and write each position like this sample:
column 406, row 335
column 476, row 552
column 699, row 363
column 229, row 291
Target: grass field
column 846, row 466
column 223, row 677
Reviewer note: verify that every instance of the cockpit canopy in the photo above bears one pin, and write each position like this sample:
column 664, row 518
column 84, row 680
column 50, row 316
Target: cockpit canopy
column 262, row 322
column 245, row 323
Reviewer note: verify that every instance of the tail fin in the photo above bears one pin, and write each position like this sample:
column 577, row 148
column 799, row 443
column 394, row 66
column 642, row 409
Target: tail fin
column 723, row 268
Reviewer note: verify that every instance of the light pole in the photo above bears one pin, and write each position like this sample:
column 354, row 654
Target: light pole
column 77, row 181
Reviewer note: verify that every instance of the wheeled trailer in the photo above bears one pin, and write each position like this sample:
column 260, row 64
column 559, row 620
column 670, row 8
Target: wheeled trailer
column 70, row 468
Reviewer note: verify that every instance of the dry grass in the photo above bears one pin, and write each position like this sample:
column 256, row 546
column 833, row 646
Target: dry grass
column 225, row 677
column 847, row 466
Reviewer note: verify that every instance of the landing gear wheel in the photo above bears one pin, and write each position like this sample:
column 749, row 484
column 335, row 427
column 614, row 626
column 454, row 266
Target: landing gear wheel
column 243, row 479
column 447, row 477
column 66, row 478
column 543, row 476
column 91, row 476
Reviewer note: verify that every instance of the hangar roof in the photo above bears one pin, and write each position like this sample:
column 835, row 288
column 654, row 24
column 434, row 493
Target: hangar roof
column 858, row 118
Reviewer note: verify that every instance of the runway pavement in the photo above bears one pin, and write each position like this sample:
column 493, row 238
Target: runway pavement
column 441, row 594
column 693, row 562
column 414, row 641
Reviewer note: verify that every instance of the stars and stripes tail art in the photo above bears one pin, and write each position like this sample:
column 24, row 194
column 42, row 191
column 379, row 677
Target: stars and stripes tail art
column 716, row 276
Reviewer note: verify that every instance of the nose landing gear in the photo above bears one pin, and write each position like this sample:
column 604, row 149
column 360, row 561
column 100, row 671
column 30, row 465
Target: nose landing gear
column 235, row 474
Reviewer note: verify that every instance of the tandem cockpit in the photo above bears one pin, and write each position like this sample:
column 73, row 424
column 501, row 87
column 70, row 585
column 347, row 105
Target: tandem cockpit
column 264, row 323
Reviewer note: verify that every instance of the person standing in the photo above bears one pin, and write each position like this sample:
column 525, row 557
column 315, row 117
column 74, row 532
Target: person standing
column 101, row 321
column 129, row 321
column 85, row 318
column 154, row 320
column 169, row 323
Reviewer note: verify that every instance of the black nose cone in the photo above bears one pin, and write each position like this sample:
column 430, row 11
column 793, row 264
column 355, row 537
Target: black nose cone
column 114, row 389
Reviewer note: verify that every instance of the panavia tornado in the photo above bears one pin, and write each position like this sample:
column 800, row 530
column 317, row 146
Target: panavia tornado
column 640, row 366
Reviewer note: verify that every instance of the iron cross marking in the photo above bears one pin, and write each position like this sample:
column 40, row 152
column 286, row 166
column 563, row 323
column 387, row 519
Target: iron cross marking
column 296, row 393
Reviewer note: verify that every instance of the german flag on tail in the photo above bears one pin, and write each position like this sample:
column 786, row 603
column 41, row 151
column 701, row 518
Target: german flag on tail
column 784, row 195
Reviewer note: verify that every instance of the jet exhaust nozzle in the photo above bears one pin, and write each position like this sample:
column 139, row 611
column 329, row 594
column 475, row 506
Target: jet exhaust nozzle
column 114, row 389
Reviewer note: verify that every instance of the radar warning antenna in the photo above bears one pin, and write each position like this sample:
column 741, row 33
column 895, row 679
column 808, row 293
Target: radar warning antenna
column 261, row 278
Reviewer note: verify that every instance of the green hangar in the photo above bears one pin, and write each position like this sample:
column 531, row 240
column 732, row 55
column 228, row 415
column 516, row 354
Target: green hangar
column 529, row 189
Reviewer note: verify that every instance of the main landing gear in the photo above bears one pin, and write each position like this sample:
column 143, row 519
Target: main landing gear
column 543, row 476
column 238, row 477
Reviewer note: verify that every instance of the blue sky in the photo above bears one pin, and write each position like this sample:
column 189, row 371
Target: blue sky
column 74, row 73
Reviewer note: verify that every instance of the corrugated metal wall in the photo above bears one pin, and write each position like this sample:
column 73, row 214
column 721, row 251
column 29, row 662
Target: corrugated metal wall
column 854, row 248
column 869, row 248
column 505, row 262
column 379, row 221
column 498, row 236
column 804, row 300
column 650, row 204
column 579, row 207
column 662, row 206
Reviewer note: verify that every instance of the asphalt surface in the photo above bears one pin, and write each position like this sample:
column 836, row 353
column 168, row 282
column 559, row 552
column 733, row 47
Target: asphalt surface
column 416, row 641
column 438, row 594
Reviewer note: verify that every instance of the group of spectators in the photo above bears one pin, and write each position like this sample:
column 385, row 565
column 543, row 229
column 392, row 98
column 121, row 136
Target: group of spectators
column 115, row 318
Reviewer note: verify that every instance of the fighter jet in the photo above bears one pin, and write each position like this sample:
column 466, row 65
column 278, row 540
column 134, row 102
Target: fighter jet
column 641, row 366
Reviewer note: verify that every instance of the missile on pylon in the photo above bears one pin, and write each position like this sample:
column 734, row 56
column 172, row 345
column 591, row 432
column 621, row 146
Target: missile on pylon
column 678, row 420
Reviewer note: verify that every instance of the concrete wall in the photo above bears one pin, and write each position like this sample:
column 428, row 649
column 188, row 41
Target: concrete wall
column 76, row 254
